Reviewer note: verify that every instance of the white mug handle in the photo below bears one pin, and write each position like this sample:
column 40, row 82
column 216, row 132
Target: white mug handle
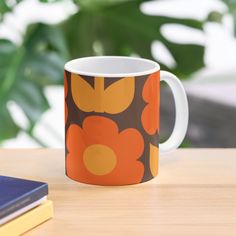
column 181, row 111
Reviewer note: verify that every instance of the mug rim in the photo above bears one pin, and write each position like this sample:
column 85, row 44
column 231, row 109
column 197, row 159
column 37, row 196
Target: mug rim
column 70, row 66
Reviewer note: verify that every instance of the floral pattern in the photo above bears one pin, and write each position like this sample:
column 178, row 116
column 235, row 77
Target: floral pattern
column 112, row 128
column 114, row 99
column 150, row 114
column 99, row 154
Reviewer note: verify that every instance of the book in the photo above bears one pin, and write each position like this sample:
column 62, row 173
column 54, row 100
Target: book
column 28, row 220
column 22, row 211
column 16, row 194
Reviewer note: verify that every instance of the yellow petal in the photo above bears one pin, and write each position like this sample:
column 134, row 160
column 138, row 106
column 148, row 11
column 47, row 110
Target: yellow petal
column 115, row 99
column 119, row 95
column 82, row 93
column 153, row 155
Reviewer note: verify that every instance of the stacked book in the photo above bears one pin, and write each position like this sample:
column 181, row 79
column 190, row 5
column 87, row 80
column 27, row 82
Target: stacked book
column 23, row 205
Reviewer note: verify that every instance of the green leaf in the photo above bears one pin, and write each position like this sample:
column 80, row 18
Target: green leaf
column 79, row 34
column 7, row 6
column 232, row 9
column 122, row 29
column 4, row 7
column 189, row 58
column 25, row 70
column 101, row 27
column 31, row 99
column 91, row 5
column 8, row 128
column 49, row 1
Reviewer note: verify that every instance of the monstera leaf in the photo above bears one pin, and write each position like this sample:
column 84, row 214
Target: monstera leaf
column 7, row 6
column 101, row 27
column 24, row 72
column 120, row 28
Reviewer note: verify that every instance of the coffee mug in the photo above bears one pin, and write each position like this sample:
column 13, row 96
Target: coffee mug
column 112, row 119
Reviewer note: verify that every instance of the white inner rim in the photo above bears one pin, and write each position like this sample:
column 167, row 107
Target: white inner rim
column 112, row 66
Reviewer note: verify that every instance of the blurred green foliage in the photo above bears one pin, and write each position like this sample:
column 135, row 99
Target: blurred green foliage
column 232, row 10
column 101, row 27
column 25, row 71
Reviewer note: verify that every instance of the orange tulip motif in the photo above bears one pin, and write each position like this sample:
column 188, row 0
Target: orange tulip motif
column 114, row 99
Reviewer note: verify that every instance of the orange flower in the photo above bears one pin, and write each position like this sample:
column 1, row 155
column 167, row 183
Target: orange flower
column 65, row 92
column 150, row 114
column 99, row 154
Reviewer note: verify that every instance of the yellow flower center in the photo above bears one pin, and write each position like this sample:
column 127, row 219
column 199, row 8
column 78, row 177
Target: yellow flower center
column 99, row 159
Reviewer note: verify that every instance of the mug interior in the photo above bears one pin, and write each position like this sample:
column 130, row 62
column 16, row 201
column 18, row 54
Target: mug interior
column 112, row 66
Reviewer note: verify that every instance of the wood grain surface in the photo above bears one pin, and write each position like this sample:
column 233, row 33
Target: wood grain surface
column 194, row 194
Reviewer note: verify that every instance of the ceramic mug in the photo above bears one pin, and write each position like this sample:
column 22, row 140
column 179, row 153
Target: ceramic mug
column 112, row 119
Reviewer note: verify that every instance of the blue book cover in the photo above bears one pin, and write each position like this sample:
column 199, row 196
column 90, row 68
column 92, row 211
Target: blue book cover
column 18, row 193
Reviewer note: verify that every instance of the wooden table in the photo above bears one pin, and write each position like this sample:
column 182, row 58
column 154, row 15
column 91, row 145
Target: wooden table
column 194, row 194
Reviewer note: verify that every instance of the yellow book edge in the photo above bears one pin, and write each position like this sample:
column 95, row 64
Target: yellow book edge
column 28, row 220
